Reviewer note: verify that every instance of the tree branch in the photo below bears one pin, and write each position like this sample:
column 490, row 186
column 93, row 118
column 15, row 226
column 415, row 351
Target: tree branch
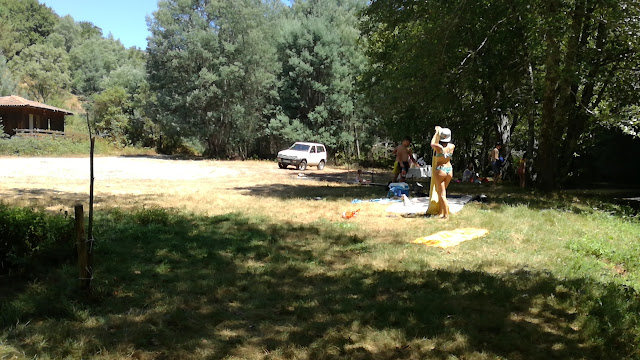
column 484, row 42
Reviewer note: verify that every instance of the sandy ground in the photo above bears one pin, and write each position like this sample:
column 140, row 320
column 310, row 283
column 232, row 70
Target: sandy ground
column 157, row 180
column 111, row 168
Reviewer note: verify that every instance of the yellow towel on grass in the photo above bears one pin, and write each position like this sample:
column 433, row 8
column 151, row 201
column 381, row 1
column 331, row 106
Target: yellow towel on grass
column 445, row 239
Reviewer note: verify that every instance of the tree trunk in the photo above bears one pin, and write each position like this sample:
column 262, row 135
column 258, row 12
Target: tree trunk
column 355, row 129
column 487, row 144
column 568, row 88
column 550, row 132
column 579, row 115
column 531, row 122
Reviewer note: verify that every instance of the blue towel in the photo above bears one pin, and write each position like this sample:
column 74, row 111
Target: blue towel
column 382, row 201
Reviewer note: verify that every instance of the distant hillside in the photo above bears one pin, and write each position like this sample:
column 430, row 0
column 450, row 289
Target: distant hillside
column 70, row 64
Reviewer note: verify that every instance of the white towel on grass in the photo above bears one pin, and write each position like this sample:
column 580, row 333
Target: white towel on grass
column 420, row 205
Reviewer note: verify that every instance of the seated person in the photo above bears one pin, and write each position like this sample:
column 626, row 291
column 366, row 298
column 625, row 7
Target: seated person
column 467, row 175
column 360, row 179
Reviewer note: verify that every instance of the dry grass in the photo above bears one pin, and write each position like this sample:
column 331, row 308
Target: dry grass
column 250, row 265
column 207, row 187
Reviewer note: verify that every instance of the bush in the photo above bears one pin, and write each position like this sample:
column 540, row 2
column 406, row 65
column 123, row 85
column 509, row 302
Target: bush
column 3, row 135
column 32, row 238
column 71, row 144
column 42, row 146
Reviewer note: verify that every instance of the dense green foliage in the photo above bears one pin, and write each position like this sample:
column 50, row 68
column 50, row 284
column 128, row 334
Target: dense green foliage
column 250, row 77
column 7, row 82
column 31, row 236
column 320, row 59
column 22, row 24
column 547, row 72
column 44, row 69
column 210, row 66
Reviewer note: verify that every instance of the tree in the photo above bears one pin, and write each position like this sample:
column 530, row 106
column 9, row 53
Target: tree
column 110, row 109
column 482, row 67
column 88, row 30
column 7, row 87
column 318, row 48
column 452, row 63
column 7, row 82
column 92, row 60
column 70, row 31
column 210, row 69
column 43, row 69
column 23, row 23
column 119, row 110
column 591, row 62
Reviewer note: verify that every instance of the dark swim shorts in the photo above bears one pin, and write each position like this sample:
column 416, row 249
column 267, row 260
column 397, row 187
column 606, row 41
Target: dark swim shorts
column 496, row 167
column 405, row 166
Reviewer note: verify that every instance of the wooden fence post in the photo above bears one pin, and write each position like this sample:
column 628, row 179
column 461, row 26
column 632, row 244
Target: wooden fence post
column 84, row 274
column 87, row 262
column 90, row 238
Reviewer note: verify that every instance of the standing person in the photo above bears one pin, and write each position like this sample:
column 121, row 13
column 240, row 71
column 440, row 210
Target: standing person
column 522, row 170
column 441, row 143
column 403, row 156
column 496, row 163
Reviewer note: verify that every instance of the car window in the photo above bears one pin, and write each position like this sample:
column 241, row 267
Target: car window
column 299, row 147
column 313, row 150
column 321, row 149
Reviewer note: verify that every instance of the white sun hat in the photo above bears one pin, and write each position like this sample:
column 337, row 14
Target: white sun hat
column 445, row 135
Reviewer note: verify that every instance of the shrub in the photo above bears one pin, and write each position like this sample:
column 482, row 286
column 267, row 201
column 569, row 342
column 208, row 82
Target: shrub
column 71, row 144
column 32, row 238
column 3, row 135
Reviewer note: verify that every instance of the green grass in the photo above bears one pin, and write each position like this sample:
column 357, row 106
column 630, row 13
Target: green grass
column 70, row 146
column 553, row 279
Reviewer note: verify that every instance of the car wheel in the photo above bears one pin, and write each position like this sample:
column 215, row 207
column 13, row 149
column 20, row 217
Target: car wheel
column 282, row 166
column 321, row 165
column 303, row 165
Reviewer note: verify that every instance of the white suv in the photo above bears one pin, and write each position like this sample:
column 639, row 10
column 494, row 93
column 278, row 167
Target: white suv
column 303, row 154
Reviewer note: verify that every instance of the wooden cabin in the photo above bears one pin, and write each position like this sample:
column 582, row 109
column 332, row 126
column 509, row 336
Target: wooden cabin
column 19, row 115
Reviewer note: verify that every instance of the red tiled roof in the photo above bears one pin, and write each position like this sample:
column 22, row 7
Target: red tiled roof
column 17, row 101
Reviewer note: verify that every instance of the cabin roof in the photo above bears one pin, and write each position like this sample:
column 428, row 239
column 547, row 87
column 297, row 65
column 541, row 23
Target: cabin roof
column 17, row 101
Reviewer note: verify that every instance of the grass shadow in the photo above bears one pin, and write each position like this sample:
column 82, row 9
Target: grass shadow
column 164, row 157
column 578, row 201
column 312, row 190
column 171, row 285
column 43, row 198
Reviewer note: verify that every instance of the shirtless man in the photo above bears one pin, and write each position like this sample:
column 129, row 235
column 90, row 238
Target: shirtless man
column 403, row 156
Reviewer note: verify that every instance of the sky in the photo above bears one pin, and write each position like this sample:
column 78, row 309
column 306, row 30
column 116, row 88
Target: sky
column 124, row 19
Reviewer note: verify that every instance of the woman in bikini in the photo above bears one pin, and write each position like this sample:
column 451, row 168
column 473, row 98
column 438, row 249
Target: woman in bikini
column 441, row 144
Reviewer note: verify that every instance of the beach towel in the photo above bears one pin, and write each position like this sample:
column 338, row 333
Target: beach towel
column 445, row 239
column 421, row 205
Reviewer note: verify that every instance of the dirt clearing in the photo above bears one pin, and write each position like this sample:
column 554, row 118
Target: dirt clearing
column 110, row 168
column 208, row 186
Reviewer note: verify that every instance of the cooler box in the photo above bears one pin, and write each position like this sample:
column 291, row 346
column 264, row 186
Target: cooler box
column 399, row 189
